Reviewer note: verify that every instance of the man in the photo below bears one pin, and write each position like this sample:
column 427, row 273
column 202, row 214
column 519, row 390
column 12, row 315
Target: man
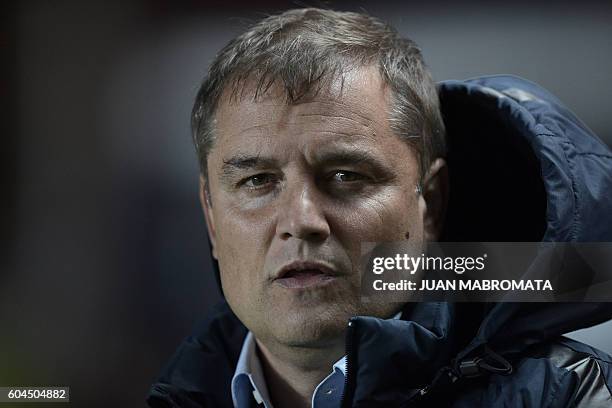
column 318, row 131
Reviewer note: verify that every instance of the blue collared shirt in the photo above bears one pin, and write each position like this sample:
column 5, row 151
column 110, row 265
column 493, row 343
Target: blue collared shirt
column 248, row 382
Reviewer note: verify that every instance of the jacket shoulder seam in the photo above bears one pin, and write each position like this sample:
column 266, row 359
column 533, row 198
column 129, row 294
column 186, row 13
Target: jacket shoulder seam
column 606, row 156
column 584, row 353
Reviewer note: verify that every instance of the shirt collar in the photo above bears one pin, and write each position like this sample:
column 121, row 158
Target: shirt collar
column 249, row 368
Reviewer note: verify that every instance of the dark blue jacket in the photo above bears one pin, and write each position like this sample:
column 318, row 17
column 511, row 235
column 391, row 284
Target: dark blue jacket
column 523, row 168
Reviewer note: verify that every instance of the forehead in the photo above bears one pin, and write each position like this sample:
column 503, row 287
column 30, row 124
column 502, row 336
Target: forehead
column 360, row 92
column 352, row 109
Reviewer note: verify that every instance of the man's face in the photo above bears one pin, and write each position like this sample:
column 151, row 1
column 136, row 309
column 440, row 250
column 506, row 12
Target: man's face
column 294, row 191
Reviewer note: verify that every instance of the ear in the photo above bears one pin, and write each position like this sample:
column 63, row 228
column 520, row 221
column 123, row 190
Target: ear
column 205, row 202
column 435, row 191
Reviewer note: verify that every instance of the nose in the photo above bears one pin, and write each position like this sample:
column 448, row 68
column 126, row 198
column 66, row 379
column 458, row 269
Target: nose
column 301, row 214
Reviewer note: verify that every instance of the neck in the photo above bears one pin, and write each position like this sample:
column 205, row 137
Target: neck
column 292, row 373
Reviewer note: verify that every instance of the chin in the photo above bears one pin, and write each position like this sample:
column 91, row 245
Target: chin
column 311, row 327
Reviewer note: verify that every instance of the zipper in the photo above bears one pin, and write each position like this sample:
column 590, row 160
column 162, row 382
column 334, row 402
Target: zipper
column 351, row 366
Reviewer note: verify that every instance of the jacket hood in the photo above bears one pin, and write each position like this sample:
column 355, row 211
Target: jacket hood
column 522, row 168
column 519, row 157
column 548, row 177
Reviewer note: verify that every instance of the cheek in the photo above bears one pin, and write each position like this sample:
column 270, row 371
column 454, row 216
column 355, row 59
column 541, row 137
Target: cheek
column 386, row 216
column 242, row 228
column 241, row 242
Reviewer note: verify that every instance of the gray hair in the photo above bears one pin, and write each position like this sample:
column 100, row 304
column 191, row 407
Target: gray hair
column 303, row 50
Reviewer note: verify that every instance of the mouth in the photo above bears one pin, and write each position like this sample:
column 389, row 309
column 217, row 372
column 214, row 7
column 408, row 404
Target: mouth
column 303, row 274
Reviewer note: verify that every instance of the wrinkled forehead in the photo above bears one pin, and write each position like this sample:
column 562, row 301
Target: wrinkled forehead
column 358, row 97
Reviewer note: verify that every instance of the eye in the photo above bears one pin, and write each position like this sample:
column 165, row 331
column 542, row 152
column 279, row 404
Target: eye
column 345, row 176
column 258, row 180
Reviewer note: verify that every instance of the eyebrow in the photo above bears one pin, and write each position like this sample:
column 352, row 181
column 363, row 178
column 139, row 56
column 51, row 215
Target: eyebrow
column 352, row 156
column 247, row 162
column 344, row 156
column 232, row 165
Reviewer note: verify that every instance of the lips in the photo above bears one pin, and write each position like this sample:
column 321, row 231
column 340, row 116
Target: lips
column 302, row 274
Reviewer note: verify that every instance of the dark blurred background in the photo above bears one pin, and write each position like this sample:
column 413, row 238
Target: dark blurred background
column 105, row 265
